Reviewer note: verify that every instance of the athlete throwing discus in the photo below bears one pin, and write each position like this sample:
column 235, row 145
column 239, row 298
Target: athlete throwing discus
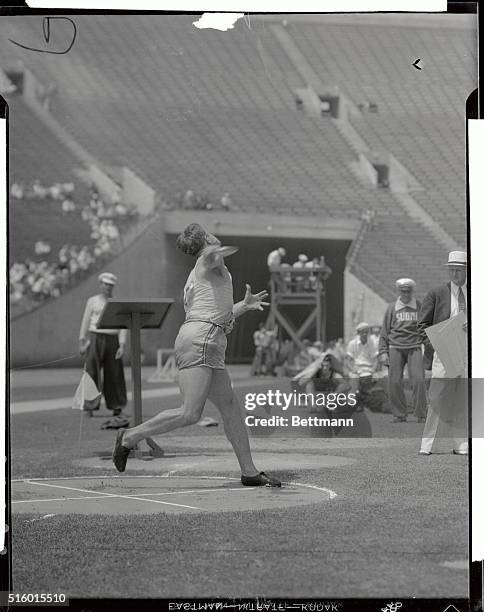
column 200, row 355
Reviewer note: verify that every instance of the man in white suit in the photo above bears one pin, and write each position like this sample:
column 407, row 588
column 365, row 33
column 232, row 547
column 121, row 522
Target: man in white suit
column 447, row 396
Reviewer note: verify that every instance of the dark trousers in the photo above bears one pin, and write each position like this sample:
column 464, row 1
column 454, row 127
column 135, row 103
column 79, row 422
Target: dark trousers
column 414, row 360
column 263, row 362
column 106, row 371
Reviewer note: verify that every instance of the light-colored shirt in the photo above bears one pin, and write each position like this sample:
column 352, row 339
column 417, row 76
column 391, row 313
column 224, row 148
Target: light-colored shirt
column 259, row 337
column 92, row 312
column 263, row 338
column 274, row 259
column 364, row 356
column 438, row 370
column 399, row 305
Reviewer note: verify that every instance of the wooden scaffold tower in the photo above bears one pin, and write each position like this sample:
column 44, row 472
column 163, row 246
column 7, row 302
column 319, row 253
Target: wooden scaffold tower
column 292, row 287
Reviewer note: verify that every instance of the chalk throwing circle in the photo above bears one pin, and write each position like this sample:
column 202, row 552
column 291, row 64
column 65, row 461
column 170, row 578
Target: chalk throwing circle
column 127, row 495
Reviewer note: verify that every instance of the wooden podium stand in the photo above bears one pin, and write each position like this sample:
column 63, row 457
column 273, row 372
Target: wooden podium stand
column 135, row 315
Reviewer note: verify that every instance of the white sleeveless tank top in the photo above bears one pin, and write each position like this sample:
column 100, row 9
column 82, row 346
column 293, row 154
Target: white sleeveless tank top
column 211, row 298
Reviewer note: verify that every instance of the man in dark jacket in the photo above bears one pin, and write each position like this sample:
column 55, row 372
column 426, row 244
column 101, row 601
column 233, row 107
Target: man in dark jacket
column 447, row 396
column 401, row 344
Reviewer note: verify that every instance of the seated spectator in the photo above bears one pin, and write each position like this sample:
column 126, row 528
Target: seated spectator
column 375, row 332
column 189, row 200
column 101, row 211
column 315, row 350
column 38, row 190
column 112, row 231
column 121, row 209
column 262, row 363
column 16, row 293
column 55, row 191
column 94, row 201
column 96, row 231
column 68, row 206
column 362, row 362
column 303, row 358
column 325, row 373
column 339, row 349
column 41, row 247
column 17, row 191
column 226, row 201
column 326, row 376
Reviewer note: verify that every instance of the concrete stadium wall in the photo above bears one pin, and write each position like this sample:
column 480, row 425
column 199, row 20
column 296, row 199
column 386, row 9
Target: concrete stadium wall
column 361, row 304
column 150, row 267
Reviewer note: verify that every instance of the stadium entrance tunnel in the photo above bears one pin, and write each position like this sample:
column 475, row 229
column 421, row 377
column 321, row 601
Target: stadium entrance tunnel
column 249, row 265
column 141, row 495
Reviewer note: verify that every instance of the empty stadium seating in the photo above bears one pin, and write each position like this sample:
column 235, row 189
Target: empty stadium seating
column 35, row 153
column 421, row 113
column 387, row 254
column 202, row 111
column 215, row 112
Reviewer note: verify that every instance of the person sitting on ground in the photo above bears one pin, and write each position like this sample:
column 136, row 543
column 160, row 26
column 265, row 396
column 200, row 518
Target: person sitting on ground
column 226, row 201
column 362, row 362
column 326, row 376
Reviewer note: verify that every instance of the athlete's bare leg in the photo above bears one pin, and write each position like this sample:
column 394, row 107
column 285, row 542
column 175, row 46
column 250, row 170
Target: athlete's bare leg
column 222, row 395
column 195, row 384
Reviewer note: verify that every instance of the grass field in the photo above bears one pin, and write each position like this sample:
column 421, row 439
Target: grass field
column 397, row 516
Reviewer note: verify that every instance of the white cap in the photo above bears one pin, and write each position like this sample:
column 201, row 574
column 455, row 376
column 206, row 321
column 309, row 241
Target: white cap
column 457, row 258
column 405, row 283
column 362, row 325
column 302, row 257
column 107, row 278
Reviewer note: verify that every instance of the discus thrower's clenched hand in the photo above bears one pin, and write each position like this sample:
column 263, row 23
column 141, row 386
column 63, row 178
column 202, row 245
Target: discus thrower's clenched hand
column 255, row 301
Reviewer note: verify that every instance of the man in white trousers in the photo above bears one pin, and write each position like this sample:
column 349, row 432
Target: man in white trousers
column 447, row 396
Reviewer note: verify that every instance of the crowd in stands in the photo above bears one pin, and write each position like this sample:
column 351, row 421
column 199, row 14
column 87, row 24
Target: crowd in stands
column 191, row 200
column 37, row 191
column 31, row 280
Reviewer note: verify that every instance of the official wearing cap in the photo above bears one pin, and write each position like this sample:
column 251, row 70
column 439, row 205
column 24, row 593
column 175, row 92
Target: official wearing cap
column 104, row 350
column 447, row 396
column 400, row 344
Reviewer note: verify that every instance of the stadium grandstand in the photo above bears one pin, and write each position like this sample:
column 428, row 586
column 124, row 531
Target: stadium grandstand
column 288, row 130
